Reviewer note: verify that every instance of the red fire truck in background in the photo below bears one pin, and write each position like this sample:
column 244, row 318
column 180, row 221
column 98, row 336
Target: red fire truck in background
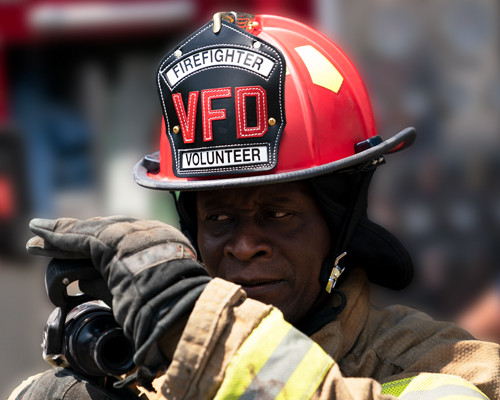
column 44, row 145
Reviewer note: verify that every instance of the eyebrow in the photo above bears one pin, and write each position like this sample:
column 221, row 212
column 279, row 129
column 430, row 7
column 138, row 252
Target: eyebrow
column 214, row 203
column 280, row 200
column 210, row 202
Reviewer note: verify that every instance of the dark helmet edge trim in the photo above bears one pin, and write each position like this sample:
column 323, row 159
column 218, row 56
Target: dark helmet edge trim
column 142, row 179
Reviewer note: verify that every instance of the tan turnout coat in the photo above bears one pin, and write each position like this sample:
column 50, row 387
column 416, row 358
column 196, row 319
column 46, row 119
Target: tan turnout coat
column 370, row 346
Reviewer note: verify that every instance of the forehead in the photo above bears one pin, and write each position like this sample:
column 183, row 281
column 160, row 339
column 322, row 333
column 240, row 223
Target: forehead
column 283, row 193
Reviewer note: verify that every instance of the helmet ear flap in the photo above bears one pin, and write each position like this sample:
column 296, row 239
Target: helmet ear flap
column 186, row 208
column 371, row 247
column 381, row 254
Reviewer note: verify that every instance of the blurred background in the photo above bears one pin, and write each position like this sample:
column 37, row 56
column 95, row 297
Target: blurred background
column 79, row 107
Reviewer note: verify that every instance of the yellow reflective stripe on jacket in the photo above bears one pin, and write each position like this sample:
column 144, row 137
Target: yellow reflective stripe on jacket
column 275, row 362
column 396, row 387
column 433, row 387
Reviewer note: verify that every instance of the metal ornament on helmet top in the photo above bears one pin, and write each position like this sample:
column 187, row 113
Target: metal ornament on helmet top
column 258, row 100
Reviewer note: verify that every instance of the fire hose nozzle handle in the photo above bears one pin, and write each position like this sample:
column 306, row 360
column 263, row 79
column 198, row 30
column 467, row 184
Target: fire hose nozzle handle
column 60, row 273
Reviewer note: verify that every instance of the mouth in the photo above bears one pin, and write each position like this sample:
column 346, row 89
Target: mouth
column 255, row 289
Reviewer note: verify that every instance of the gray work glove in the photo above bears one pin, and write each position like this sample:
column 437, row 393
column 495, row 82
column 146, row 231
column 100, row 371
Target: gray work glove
column 150, row 269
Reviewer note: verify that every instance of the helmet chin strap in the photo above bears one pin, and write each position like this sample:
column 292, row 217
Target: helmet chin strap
column 349, row 221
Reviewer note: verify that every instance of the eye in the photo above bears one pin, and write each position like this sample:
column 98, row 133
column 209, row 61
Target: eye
column 217, row 217
column 276, row 214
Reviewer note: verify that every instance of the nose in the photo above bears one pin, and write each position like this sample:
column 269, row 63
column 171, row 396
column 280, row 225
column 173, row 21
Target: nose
column 248, row 241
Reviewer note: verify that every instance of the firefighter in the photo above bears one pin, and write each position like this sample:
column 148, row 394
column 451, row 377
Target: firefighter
column 269, row 137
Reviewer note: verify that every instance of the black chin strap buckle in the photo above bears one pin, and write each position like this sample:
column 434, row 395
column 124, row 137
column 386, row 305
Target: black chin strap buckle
column 336, row 272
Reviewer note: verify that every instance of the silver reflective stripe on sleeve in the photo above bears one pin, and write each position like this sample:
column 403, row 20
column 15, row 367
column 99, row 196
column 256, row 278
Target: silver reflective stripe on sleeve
column 275, row 362
column 444, row 391
column 274, row 374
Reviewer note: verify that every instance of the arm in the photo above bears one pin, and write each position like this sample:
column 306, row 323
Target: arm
column 229, row 343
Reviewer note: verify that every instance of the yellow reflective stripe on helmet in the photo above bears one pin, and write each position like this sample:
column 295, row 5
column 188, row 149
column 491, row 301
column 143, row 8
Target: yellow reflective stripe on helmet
column 434, row 387
column 275, row 362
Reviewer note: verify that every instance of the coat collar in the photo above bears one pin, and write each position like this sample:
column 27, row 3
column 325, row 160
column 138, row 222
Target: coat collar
column 338, row 336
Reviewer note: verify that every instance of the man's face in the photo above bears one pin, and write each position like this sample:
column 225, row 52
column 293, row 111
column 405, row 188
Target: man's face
column 269, row 239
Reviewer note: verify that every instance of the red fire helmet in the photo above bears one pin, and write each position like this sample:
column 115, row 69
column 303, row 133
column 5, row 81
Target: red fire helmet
column 250, row 100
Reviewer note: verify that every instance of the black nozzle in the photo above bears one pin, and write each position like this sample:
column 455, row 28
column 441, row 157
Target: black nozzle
column 94, row 344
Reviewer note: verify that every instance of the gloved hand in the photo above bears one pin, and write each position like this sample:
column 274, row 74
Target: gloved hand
column 150, row 269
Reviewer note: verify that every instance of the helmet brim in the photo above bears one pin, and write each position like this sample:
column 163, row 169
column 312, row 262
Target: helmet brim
column 396, row 143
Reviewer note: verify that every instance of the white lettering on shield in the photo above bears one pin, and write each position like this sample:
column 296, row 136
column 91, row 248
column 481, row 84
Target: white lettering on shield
column 223, row 56
column 225, row 157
